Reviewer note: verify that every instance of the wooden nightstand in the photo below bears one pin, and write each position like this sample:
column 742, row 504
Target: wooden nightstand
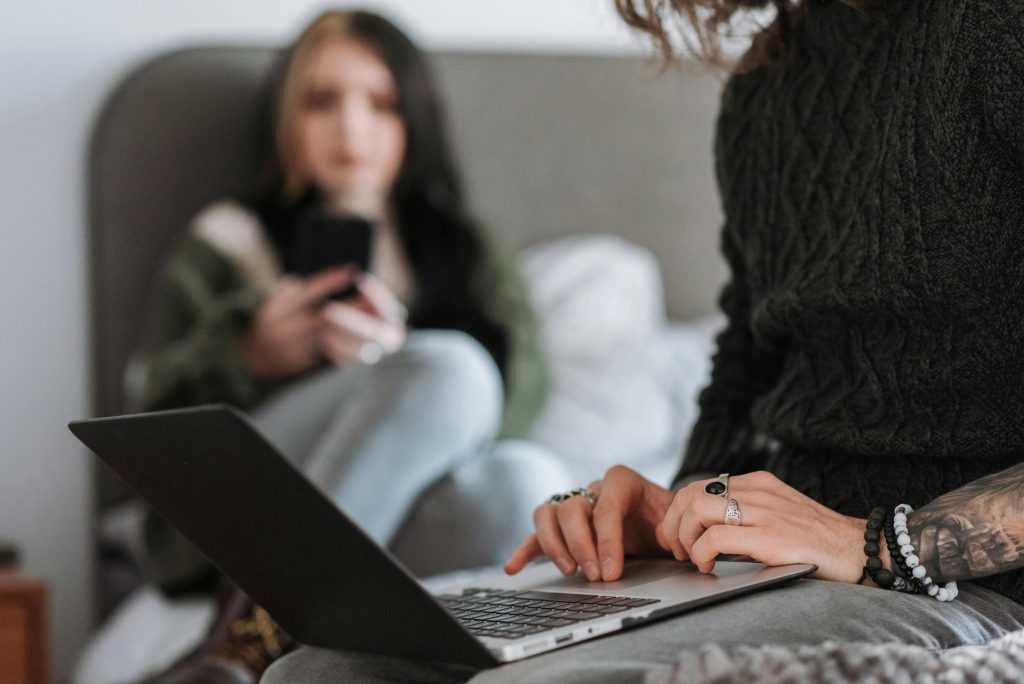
column 23, row 629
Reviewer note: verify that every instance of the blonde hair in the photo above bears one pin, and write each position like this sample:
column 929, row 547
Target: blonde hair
column 334, row 25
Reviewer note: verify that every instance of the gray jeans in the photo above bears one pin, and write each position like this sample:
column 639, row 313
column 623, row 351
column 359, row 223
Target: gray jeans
column 805, row 612
column 406, row 447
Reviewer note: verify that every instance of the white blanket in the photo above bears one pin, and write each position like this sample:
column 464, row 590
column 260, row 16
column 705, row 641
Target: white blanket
column 624, row 380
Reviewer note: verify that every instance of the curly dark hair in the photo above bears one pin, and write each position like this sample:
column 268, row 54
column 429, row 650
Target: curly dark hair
column 711, row 22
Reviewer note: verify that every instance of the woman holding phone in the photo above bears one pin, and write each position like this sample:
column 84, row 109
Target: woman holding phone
column 429, row 363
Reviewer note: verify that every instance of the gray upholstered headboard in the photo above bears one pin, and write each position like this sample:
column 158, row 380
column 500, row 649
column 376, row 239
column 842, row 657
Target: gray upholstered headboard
column 550, row 145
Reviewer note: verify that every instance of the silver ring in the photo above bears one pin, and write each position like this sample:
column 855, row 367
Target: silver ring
column 585, row 492
column 732, row 513
column 719, row 487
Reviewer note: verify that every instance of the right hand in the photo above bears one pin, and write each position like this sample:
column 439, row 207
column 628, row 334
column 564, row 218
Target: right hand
column 283, row 338
column 625, row 520
column 373, row 317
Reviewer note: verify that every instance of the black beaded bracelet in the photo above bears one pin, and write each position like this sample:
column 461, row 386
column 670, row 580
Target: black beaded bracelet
column 872, row 535
column 903, row 580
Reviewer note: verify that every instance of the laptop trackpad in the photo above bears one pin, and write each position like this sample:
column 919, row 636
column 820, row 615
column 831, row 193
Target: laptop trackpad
column 636, row 573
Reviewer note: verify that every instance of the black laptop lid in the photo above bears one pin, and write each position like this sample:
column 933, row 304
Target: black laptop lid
column 213, row 477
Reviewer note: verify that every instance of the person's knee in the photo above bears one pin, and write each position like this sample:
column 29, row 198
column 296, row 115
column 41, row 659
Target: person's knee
column 502, row 489
column 453, row 373
column 451, row 353
column 526, row 470
column 484, row 508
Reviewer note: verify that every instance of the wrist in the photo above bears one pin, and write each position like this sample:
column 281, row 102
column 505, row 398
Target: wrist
column 856, row 573
column 253, row 357
column 877, row 570
column 886, row 558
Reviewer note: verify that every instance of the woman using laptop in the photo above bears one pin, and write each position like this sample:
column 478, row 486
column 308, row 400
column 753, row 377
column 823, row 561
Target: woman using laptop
column 866, row 395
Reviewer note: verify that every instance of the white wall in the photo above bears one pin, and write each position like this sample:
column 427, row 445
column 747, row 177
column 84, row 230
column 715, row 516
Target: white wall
column 58, row 60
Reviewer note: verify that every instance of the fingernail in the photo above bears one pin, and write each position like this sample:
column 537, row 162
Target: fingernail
column 567, row 567
column 593, row 574
column 607, row 565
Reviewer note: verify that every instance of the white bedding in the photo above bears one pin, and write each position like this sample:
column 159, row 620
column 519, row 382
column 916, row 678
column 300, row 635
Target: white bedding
column 624, row 379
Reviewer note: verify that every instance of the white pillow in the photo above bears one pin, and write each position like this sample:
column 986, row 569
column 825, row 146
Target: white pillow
column 594, row 293
column 623, row 382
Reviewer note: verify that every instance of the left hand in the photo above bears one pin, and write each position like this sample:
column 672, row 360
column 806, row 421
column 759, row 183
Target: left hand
column 364, row 328
column 597, row 537
column 779, row 526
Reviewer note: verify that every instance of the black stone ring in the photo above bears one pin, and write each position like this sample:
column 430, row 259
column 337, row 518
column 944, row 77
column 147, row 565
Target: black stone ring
column 719, row 487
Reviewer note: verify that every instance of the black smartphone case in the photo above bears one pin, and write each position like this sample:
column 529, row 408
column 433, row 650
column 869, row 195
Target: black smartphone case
column 324, row 241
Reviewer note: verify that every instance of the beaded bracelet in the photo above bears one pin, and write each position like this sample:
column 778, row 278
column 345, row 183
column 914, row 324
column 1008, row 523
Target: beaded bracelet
column 873, row 567
column 902, row 579
column 917, row 571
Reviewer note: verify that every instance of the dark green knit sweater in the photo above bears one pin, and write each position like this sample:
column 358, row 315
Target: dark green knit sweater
column 873, row 187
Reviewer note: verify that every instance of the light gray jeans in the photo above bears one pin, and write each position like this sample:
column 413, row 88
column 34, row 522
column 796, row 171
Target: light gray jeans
column 804, row 612
column 406, row 447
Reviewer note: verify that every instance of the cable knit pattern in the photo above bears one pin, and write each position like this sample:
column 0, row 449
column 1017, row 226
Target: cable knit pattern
column 873, row 187
column 999, row 662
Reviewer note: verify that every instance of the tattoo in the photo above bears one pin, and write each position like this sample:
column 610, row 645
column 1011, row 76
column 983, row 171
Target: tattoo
column 974, row 531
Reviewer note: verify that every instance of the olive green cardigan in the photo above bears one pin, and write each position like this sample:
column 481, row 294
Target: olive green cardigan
column 222, row 272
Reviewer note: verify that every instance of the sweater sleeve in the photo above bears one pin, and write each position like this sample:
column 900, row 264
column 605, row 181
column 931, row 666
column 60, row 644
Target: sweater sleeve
column 193, row 353
column 723, row 438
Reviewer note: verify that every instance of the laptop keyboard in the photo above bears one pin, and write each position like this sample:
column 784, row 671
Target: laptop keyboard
column 512, row 614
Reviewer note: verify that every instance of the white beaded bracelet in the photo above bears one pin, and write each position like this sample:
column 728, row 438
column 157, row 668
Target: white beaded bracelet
column 899, row 524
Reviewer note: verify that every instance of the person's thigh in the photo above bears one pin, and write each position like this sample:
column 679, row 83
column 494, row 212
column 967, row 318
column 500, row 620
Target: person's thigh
column 322, row 666
column 295, row 417
column 439, row 378
column 419, row 414
column 805, row 612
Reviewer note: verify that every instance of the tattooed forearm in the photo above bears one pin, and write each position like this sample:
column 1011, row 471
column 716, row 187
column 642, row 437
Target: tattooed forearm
column 974, row 531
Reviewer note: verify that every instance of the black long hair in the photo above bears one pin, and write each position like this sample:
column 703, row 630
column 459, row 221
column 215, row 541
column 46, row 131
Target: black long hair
column 442, row 241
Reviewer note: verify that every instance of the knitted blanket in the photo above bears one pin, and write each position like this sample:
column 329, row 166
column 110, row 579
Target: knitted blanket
column 998, row 662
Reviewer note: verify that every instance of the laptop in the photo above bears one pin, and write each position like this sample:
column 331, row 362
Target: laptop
column 217, row 480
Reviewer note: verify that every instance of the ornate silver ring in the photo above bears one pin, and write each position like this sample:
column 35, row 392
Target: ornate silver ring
column 579, row 491
column 732, row 513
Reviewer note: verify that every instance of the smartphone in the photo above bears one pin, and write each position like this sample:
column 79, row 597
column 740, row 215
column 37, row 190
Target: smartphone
column 327, row 240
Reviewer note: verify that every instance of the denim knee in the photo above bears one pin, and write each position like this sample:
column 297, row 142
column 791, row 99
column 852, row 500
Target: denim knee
column 452, row 377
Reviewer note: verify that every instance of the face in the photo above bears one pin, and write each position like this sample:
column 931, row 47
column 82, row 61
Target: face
column 350, row 134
